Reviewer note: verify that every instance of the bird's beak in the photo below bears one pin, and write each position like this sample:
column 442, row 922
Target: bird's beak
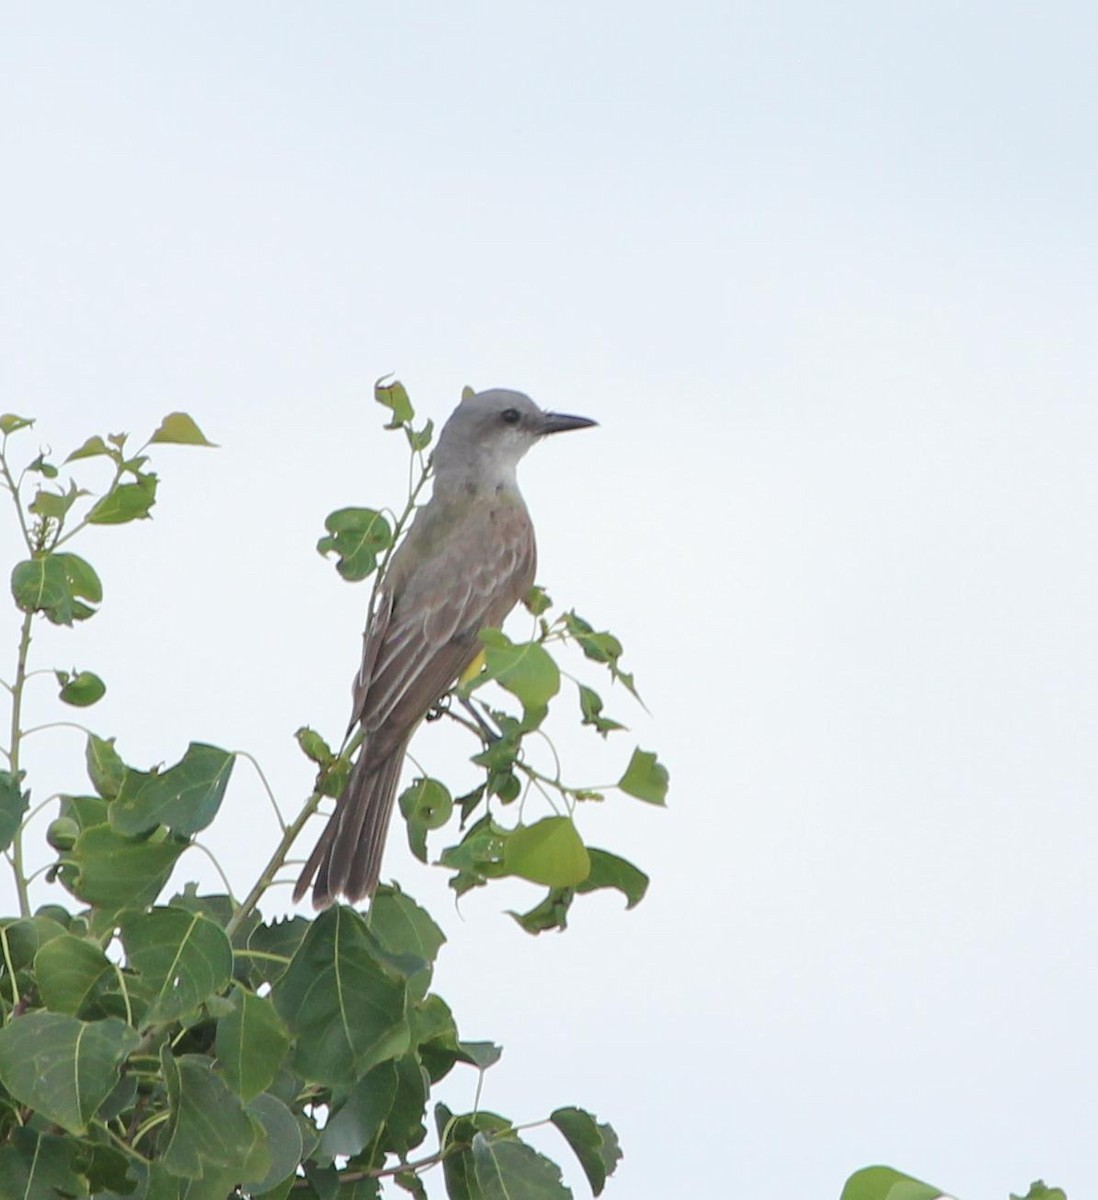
column 552, row 422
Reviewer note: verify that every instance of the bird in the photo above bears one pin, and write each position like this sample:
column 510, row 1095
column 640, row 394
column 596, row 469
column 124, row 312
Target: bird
column 469, row 556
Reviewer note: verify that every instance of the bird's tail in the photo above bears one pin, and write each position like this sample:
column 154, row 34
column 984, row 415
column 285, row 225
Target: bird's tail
column 347, row 857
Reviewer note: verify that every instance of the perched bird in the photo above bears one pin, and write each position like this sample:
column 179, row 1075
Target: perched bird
column 467, row 559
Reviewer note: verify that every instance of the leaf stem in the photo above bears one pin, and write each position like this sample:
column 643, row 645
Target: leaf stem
column 122, row 1145
column 15, row 735
column 264, row 956
column 125, row 992
column 398, row 529
column 56, row 725
column 10, row 966
column 13, row 487
column 274, row 864
column 156, row 1119
column 216, row 865
column 266, row 786
column 32, row 813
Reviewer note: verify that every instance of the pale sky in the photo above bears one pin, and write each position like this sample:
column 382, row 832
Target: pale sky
column 826, row 278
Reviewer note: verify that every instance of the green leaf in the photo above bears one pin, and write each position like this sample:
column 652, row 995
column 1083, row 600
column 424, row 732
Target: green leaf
column 357, row 536
column 125, row 502
column 252, row 1041
column 68, row 970
column 347, row 1011
column 59, row 914
column 426, row 804
column 507, row 1168
column 112, row 872
column 435, row 1037
column 106, row 1169
column 62, row 832
column 105, row 767
column 480, row 853
column 394, row 397
column 219, row 908
column 208, row 1125
column 332, row 779
column 13, row 804
column 610, row 871
column 1039, row 1190
column 549, row 851
column 56, row 585
column 498, row 757
column 420, row 439
column 55, row 505
column 404, row 1129
column 596, row 1146
column 92, row 448
column 412, row 1184
column 607, row 871
column 527, row 670
column 25, row 936
column 356, row 1123
column 883, row 1183
column 9, row 423
column 185, row 798
column 591, row 712
column 601, row 647
column 284, row 1142
column 550, row 913
column 281, row 937
column 61, row 1067
column 42, row 467
column 537, row 601
column 182, row 957
column 179, row 429
column 323, row 1180
column 402, row 927
column 80, row 689
column 481, row 1055
column 455, row 1135
column 38, row 1166
column 314, row 747
column 645, row 778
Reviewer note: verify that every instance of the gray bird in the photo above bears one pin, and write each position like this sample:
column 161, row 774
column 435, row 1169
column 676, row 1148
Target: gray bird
column 467, row 560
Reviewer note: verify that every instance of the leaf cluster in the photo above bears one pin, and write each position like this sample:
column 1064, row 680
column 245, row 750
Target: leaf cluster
column 177, row 1045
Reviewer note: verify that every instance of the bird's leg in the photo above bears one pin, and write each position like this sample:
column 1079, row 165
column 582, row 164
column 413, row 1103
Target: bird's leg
column 478, row 725
column 487, row 732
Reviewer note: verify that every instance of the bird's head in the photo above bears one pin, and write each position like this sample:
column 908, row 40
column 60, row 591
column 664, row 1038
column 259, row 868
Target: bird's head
column 490, row 431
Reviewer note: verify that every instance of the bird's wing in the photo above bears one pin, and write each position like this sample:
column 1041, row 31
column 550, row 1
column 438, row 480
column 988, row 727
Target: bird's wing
column 373, row 638
column 427, row 636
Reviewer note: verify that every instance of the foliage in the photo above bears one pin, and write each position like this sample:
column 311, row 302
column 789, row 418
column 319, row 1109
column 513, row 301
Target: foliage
column 160, row 1044
column 166, row 1045
column 883, row 1183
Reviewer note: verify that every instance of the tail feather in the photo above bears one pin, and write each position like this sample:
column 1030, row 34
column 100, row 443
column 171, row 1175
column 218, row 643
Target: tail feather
column 347, row 856
column 364, row 868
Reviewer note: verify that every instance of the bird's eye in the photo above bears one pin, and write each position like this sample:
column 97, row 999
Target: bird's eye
column 511, row 415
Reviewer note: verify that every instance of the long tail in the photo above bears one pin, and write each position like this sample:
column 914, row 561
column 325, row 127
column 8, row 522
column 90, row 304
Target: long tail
column 347, row 857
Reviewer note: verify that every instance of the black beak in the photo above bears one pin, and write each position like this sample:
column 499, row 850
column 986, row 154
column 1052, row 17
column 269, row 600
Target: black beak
column 552, row 422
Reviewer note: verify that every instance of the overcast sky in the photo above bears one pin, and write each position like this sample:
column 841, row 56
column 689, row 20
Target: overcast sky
column 826, row 277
